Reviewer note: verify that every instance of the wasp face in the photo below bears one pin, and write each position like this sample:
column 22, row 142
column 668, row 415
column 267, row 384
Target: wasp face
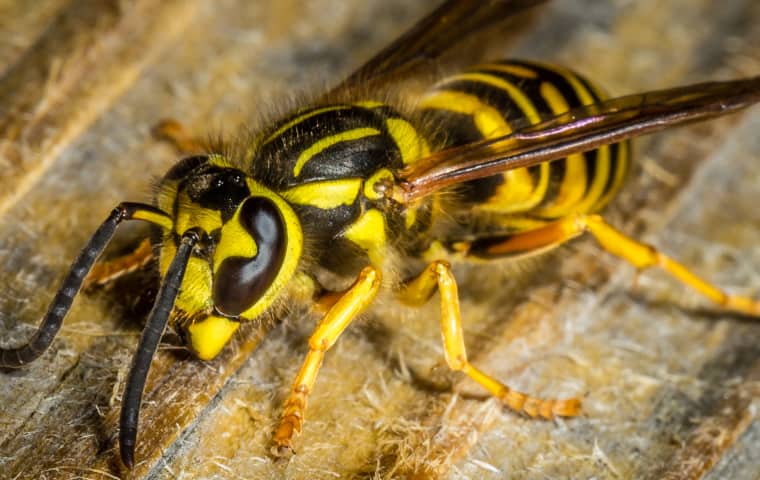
column 243, row 275
column 251, row 249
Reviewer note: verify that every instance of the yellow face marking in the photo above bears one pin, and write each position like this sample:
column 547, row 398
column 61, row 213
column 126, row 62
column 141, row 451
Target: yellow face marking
column 327, row 142
column 293, row 248
column 190, row 216
column 368, row 232
column 195, row 292
column 209, row 336
column 162, row 220
column 411, row 145
column 235, row 241
column 300, row 118
column 167, row 193
column 326, row 194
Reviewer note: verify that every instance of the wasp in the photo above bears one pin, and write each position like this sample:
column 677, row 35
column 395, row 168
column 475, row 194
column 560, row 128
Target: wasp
column 352, row 195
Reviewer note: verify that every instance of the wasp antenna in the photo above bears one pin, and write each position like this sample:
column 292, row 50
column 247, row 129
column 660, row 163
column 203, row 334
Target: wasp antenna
column 146, row 350
column 51, row 323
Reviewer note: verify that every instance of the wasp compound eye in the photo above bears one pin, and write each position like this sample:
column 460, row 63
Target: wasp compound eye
column 240, row 281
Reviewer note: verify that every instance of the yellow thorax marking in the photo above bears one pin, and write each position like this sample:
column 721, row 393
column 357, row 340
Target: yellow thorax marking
column 327, row 142
column 300, row 118
column 411, row 145
column 368, row 232
column 326, row 194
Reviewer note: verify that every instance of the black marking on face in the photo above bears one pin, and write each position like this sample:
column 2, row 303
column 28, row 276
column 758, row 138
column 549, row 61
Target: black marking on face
column 218, row 188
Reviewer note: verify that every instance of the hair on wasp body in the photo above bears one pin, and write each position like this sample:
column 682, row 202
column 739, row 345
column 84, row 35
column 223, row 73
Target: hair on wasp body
column 341, row 187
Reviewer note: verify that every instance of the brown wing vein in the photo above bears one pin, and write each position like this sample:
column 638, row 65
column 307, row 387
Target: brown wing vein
column 579, row 130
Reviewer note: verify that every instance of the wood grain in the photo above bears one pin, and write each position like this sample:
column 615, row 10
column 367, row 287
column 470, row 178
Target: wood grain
column 670, row 384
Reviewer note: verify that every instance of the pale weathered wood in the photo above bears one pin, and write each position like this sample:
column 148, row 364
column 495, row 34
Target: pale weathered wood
column 669, row 383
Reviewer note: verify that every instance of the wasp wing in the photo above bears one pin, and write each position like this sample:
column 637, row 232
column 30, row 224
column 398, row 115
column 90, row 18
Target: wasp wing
column 579, row 130
column 429, row 38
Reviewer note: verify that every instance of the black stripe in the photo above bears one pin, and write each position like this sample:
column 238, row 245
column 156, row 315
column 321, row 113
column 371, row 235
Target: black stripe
column 274, row 161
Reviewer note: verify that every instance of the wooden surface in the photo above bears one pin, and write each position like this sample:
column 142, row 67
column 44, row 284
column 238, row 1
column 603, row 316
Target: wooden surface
column 670, row 384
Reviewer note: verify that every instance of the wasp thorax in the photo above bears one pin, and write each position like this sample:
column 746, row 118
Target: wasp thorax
column 249, row 255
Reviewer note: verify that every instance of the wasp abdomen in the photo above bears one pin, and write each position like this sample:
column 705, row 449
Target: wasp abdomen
column 494, row 99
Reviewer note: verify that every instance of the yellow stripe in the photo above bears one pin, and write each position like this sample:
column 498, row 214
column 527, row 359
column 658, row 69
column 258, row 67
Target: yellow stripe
column 163, row 221
column 190, row 216
column 572, row 78
column 325, row 194
column 597, row 197
column 517, row 193
column 574, row 181
column 369, row 104
column 411, row 145
column 301, row 118
column 517, row 96
column 368, row 232
column 487, row 119
column 327, row 142
column 621, row 171
column 516, row 70
column 235, row 241
column 601, row 174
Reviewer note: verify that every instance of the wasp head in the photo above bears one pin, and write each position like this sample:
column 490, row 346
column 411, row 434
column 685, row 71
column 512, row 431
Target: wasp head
column 251, row 248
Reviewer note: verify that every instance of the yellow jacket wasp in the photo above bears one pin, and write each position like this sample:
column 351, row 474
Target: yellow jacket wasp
column 235, row 230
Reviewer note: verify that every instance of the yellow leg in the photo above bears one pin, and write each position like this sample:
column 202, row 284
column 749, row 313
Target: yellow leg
column 338, row 317
column 438, row 274
column 640, row 255
column 172, row 131
column 108, row 271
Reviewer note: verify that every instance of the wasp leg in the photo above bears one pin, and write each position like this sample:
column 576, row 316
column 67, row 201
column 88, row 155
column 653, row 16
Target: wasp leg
column 106, row 272
column 173, row 132
column 418, row 290
column 335, row 321
column 640, row 255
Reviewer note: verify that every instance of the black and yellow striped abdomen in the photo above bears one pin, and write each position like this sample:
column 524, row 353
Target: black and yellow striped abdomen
column 494, row 99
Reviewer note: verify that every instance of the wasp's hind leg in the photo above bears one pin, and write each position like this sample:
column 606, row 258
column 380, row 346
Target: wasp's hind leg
column 640, row 255
column 171, row 131
column 438, row 275
column 105, row 272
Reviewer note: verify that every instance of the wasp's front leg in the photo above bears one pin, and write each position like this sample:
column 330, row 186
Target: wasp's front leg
column 355, row 300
